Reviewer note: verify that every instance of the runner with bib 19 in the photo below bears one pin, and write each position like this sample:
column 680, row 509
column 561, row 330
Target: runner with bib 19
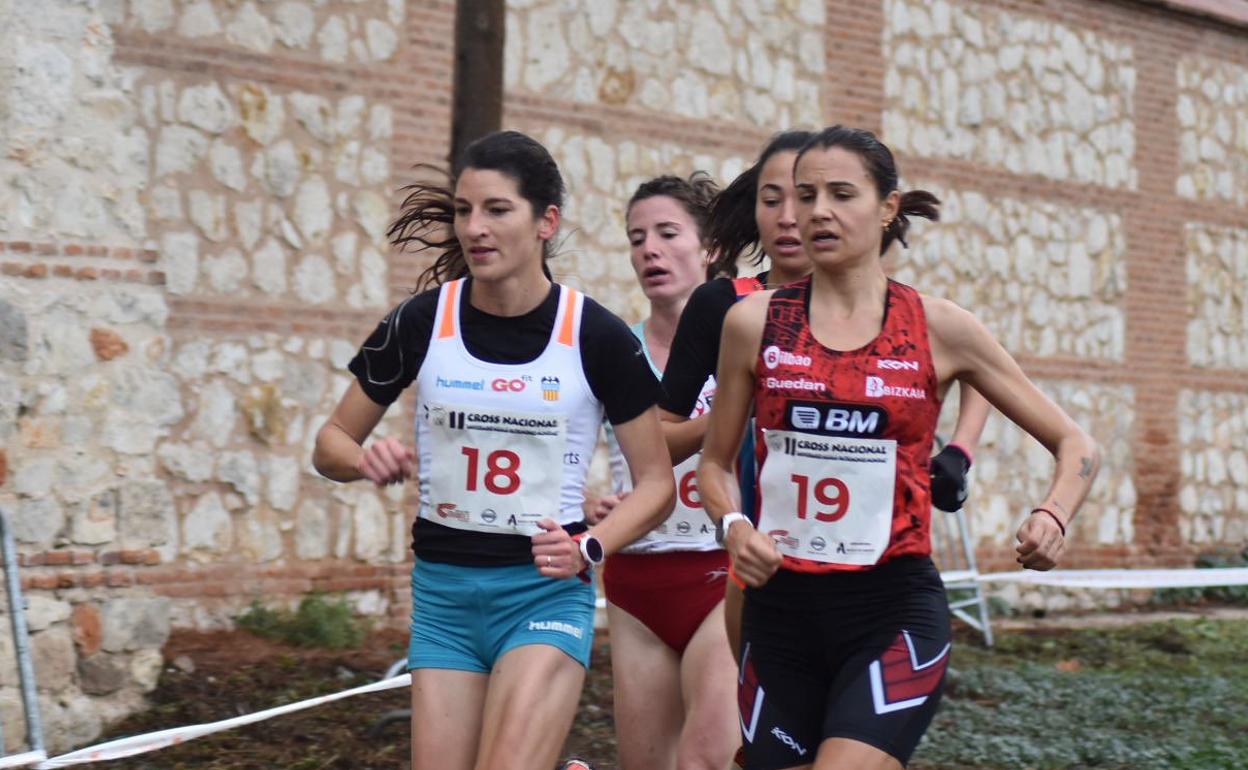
column 752, row 219
column 845, row 629
column 512, row 374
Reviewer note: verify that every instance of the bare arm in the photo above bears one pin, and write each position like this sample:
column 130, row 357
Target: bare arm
column 973, row 411
column 638, row 512
column 654, row 487
column 754, row 554
column 683, row 435
column 965, row 350
column 339, row 453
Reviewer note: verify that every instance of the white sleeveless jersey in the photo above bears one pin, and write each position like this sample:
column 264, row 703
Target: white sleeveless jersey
column 688, row 528
column 503, row 446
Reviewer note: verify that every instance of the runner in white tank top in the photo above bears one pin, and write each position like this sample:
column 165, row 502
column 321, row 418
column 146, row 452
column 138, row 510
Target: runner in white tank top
column 512, row 375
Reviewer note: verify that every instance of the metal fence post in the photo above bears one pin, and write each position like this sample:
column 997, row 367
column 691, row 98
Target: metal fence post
column 21, row 641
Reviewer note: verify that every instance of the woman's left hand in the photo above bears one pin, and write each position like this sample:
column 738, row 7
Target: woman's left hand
column 1040, row 542
column 555, row 553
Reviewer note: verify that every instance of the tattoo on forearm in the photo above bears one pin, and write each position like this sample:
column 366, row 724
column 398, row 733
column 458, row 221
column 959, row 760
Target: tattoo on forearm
column 1062, row 508
column 1085, row 467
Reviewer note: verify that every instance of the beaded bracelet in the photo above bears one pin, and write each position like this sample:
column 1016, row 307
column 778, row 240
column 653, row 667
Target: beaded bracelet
column 1060, row 525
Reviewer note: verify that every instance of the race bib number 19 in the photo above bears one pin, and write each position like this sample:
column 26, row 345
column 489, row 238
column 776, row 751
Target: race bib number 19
column 494, row 470
column 828, row 499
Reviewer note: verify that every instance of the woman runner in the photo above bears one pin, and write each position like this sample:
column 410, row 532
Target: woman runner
column 674, row 675
column 845, row 631
column 754, row 217
column 512, row 374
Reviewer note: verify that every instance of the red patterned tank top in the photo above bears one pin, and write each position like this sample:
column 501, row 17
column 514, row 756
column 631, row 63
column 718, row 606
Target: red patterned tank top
column 843, row 438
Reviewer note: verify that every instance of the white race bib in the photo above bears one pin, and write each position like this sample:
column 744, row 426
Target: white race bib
column 495, row 470
column 828, row 499
column 688, row 522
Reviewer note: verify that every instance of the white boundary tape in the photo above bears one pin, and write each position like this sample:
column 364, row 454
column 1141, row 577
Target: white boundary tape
column 1096, row 579
column 1124, row 578
column 141, row 744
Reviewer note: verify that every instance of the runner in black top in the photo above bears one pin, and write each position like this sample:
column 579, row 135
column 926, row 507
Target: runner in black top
column 512, row 374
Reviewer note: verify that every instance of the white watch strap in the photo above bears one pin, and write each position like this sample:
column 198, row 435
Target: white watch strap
column 584, row 546
column 732, row 518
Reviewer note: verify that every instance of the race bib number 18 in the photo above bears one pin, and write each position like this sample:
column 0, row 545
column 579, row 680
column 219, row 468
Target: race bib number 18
column 494, row 470
column 828, row 499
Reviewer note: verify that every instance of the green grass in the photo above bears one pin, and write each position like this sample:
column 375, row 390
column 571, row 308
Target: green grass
column 318, row 622
column 1163, row 695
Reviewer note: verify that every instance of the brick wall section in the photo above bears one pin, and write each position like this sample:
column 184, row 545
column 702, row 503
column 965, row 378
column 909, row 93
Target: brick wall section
column 853, row 92
column 415, row 83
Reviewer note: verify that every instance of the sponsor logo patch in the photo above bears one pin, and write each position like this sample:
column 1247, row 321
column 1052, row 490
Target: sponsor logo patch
column 776, row 383
column 877, row 388
column 558, row 626
column 833, row 419
column 773, row 356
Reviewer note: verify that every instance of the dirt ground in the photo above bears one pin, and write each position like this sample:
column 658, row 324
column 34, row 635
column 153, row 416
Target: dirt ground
column 1053, row 694
column 233, row 673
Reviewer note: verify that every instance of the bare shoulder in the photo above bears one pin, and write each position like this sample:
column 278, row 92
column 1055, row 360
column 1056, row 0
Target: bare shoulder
column 950, row 323
column 749, row 311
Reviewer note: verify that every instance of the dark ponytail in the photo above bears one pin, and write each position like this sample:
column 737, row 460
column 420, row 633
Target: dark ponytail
column 879, row 162
column 695, row 195
column 427, row 216
column 731, row 230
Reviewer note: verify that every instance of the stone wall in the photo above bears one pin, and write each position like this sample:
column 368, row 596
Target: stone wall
column 1013, row 90
column 193, row 199
column 1217, row 289
column 193, row 195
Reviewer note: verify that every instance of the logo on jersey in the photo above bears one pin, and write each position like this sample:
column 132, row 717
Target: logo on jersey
column 489, row 516
column 550, row 388
column 877, row 388
column 775, row 383
column 505, row 385
column 454, row 384
column 782, row 537
column 452, row 511
column 836, row 419
column 817, row 543
column 773, row 356
column 897, row 365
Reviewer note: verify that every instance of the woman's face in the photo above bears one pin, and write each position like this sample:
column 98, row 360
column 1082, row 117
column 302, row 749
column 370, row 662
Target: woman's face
column 775, row 215
column 665, row 248
column 839, row 212
column 496, row 225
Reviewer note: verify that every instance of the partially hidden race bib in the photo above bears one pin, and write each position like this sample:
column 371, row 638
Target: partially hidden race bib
column 828, row 499
column 495, row 470
column 688, row 522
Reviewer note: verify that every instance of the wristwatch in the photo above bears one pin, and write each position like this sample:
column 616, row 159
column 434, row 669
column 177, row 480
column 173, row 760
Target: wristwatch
column 591, row 549
column 721, row 527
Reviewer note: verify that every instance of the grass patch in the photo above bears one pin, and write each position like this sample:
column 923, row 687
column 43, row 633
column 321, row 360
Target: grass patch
column 318, row 622
column 1217, row 594
column 1148, row 697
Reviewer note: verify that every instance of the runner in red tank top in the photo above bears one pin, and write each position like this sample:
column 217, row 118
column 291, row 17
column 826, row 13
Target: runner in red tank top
column 846, row 629
column 754, row 219
column 885, row 391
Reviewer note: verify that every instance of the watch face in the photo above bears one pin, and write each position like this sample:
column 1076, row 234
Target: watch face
column 593, row 549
